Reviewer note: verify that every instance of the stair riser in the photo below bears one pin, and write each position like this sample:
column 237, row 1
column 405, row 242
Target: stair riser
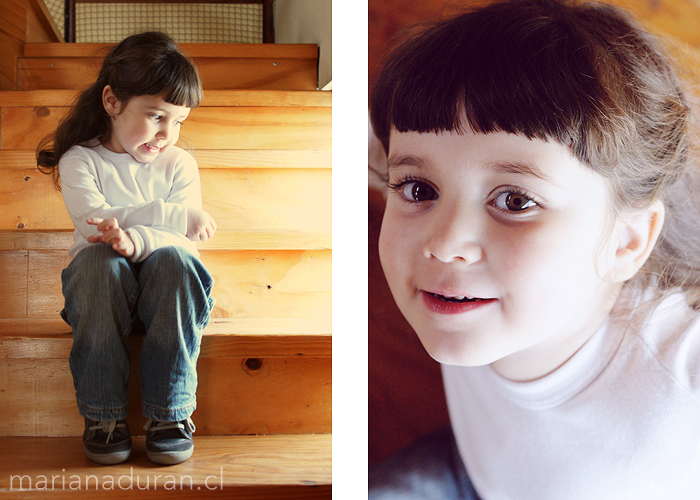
column 284, row 284
column 277, row 396
column 44, row 73
column 206, row 127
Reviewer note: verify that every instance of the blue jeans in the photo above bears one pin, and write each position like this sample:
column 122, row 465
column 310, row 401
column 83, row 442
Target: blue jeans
column 105, row 296
column 429, row 469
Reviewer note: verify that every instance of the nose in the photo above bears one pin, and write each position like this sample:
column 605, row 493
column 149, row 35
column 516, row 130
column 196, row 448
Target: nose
column 166, row 132
column 455, row 236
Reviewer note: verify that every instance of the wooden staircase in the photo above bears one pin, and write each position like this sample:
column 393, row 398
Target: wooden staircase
column 264, row 397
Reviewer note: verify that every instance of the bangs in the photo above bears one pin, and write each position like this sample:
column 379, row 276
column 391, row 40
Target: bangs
column 177, row 80
column 151, row 64
column 526, row 67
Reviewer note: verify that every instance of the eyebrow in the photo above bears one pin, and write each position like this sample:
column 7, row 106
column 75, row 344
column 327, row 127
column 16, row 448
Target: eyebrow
column 397, row 160
column 520, row 168
column 164, row 112
column 506, row 167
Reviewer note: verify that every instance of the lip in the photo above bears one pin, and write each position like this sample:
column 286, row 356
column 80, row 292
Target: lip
column 151, row 149
column 440, row 306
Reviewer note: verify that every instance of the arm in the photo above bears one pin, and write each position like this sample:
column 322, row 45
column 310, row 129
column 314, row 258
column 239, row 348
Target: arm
column 84, row 199
column 187, row 191
column 111, row 234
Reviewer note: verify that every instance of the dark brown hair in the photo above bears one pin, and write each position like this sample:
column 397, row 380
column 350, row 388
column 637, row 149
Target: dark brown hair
column 143, row 64
column 582, row 74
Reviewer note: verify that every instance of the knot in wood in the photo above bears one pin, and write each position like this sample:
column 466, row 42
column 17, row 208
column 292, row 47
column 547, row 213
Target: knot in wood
column 43, row 112
column 253, row 363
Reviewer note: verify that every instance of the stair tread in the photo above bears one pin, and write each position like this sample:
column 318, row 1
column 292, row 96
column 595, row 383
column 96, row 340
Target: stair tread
column 223, row 337
column 217, row 326
column 236, row 461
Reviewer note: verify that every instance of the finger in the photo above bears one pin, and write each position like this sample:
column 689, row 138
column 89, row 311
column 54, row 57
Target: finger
column 95, row 238
column 93, row 221
column 111, row 236
column 108, row 224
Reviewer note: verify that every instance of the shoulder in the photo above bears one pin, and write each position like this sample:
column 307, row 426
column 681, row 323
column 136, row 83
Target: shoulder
column 669, row 334
column 80, row 155
column 178, row 157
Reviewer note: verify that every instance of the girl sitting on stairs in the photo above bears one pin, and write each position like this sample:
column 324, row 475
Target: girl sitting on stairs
column 135, row 200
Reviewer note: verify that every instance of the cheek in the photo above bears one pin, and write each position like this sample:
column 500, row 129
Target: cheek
column 397, row 243
column 550, row 257
column 388, row 248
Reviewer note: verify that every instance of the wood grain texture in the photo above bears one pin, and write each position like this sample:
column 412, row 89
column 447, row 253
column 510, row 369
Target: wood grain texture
column 280, row 396
column 250, row 467
column 12, row 38
column 227, row 98
column 51, row 338
column 43, row 73
column 249, row 283
column 41, row 26
column 13, row 292
column 242, row 200
column 208, row 159
column 207, row 127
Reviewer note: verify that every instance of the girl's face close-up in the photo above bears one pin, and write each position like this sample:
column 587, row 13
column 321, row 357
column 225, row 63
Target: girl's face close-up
column 497, row 248
column 145, row 127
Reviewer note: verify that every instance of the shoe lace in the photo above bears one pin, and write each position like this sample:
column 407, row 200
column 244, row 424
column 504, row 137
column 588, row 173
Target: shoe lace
column 154, row 425
column 107, row 426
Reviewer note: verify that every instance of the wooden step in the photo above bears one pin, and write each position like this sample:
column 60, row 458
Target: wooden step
column 222, row 66
column 248, row 283
column 265, row 365
column 272, row 148
column 279, row 165
column 242, row 467
column 253, row 208
column 256, row 376
column 228, row 123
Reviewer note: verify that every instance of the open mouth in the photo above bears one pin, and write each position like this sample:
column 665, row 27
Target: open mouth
column 151, row 149
column 455, row 304
column 458, row 298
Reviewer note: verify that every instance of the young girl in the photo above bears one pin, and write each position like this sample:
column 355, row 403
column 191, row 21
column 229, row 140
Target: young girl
column 135, row 200
column 541, row 237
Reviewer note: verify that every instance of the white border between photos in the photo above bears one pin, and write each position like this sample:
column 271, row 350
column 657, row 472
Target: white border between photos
column 349, row 249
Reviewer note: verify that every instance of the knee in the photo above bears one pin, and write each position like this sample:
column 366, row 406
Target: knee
column 96, row 269
column 178, row 267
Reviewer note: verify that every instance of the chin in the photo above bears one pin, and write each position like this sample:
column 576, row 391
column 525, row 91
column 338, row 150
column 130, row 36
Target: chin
column 451, row 351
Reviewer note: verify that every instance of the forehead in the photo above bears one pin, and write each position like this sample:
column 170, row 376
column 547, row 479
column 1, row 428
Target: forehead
column 500, row 152
column 157, row 103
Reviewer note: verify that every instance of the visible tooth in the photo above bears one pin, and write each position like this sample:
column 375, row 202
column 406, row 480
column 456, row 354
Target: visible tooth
column 459, row 297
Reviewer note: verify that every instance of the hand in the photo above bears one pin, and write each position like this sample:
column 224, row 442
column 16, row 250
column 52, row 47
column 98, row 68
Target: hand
column 113, row 235
column 200, row 225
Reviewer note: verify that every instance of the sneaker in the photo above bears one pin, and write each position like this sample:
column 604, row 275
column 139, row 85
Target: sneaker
column 169, row 443
column 107, row 442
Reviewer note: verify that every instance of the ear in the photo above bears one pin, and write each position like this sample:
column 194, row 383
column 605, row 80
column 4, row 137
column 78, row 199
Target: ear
column 112, row 105
column 636, row 237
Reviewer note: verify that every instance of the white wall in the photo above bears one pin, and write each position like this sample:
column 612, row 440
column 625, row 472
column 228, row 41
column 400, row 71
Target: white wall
column 307, row 21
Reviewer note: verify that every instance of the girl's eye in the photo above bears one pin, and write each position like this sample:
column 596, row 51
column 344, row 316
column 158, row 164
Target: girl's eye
column 156, row 117
column 414, row 191
column 418, row 191
column 511, row 201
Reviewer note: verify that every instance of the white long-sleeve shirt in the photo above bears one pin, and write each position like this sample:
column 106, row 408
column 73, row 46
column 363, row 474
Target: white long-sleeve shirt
column 619, row 421
column 149, row 200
